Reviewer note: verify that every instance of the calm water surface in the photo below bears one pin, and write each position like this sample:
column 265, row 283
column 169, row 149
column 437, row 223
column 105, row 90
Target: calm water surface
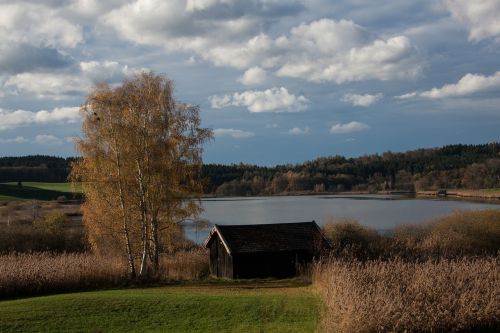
column 381, row 212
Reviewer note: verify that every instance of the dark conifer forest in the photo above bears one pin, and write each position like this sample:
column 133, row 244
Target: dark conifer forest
column 453, row 166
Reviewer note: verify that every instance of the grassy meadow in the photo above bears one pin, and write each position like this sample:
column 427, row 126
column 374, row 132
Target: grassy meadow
column 222, row 307
column 38, row 191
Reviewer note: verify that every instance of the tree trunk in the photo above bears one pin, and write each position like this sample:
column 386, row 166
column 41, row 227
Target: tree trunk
column 128, row 247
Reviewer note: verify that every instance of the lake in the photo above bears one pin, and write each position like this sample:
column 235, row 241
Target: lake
column 381, row 212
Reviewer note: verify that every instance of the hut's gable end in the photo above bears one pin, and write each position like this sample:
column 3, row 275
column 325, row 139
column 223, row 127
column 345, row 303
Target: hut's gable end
column 221, row 261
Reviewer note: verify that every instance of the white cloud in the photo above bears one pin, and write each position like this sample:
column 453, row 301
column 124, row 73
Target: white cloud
column 47, row 139
column 19, row 118
column 469, row 84
column 270, row 100
column 37, row 25
column 407, row 95
column 47, row 85
column 63, row 85
column 353, row 126
column 234, row 133
column 361, row 100
column 254, row 75
column 105, row 71
column 322, row 50
column 219, row 102
column 272, row 126
column 481, row 17
column 342, row 51
column 18, row 139
column 298, row 131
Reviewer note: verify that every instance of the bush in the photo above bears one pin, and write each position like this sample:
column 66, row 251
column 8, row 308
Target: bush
column 50, row 233
column 462, row 233
column 351, row 239
column 53, row 223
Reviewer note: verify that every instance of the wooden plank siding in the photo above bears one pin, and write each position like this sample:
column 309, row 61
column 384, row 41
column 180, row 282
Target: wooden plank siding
column 221, row 262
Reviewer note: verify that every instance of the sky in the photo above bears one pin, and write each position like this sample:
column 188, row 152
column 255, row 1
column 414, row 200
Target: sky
column 277, row 81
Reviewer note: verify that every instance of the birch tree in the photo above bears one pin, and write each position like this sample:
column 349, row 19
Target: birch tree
column 140, row 169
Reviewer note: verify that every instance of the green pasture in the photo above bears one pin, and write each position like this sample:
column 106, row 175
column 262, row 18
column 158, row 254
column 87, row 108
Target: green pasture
column 166, row 309
column 38, row 191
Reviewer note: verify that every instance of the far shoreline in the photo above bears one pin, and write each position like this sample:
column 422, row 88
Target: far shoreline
column 487, row 196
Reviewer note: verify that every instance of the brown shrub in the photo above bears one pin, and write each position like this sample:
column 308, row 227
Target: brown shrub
column 349, row 238
column 397, row 296
column 462, row 233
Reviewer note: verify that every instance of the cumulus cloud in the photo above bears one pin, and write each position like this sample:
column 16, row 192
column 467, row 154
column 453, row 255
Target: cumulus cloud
column 353, row 126
column 481, row 17
column 37, row 25
column 46, row 85
column 342, row 51
column 196, row 25
column 18, row 139
column 469, row 84
column 47, row 139
column 66, row 84
column 361, row 100
column 234, row 133
column 105, row 71
column 20, row 118
column 254, row 75
column 270, row 100
column 298, row 131
column 322, row 50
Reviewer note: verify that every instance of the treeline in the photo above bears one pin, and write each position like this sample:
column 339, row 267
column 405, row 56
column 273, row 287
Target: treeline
column 453, row 166
column 36, row 168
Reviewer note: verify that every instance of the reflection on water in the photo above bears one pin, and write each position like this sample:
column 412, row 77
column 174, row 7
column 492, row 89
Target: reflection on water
column 381, row 212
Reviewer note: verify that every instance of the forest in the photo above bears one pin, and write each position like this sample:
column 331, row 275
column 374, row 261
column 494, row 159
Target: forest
column 454, row 166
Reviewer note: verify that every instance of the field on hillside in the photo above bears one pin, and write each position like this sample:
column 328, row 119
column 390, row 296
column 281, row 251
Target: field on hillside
column 38, row 191
column 275, row 306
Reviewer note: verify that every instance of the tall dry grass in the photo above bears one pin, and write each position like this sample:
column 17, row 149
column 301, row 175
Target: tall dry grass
column 41, row 273
column 398, row 296
column 25, row 274
column 185, row 265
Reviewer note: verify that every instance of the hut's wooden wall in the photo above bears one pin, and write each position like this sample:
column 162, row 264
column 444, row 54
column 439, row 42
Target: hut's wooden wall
column 221, row 262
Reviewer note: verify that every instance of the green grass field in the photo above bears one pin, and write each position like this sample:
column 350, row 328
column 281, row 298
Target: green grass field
column 210, row 308
column 37, row 191
column 60, row 187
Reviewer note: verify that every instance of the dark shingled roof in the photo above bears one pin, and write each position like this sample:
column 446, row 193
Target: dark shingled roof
column 269, row 237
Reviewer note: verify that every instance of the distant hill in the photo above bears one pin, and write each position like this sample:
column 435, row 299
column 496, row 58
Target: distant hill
column 452, row 166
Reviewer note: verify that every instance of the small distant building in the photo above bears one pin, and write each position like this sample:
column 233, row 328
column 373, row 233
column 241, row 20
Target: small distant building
column 264, row 250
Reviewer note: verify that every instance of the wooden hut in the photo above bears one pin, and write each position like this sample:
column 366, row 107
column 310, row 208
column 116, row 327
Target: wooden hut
column 263, row 250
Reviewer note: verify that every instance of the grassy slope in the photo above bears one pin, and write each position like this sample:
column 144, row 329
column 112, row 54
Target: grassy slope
column 37, row 191
column 168, row 309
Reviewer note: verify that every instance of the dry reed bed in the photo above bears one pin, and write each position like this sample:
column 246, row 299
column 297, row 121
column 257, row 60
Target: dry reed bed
column 397, row 296
column 185, row 265
column 41, row 273
column 44, row 273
